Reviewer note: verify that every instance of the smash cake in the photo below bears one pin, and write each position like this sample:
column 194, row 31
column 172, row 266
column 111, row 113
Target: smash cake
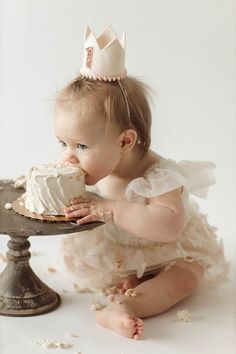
column 50, row 187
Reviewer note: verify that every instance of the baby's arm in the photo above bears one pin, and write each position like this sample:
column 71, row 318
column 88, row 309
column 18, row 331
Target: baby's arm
column 161, row 219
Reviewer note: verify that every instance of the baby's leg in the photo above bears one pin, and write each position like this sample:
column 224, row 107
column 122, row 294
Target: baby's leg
column 154, row 296
column 132, row 282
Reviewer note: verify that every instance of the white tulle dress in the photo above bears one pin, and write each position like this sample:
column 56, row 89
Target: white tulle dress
column 108, row 254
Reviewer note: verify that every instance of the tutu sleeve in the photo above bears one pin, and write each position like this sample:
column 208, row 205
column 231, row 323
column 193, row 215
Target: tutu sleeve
column 167, row 175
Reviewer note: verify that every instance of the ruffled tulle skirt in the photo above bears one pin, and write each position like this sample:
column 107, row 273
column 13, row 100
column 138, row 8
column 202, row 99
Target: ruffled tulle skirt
column 105, row 256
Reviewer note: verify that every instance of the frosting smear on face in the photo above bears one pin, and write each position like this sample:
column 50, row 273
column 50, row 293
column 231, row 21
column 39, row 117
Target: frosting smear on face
column 49, row 188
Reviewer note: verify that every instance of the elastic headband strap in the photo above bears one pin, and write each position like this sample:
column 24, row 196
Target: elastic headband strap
column 125, row 97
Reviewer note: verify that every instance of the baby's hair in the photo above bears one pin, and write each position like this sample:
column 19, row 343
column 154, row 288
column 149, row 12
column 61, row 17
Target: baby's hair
column 111, row 103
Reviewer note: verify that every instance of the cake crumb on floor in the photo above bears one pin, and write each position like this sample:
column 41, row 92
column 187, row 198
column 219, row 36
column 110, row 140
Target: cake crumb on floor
column 183, row 316
column 52, row 269
column 78, row 289
column 36, row 253
column 71, row 334
column 51, row 344
column 97, row 305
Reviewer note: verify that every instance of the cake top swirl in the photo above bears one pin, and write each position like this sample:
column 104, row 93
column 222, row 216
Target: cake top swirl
column 54, row 170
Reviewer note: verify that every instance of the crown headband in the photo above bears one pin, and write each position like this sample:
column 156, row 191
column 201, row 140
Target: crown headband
column 104, row 57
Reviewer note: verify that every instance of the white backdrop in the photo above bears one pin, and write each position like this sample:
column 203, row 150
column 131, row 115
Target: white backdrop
column 184, row 49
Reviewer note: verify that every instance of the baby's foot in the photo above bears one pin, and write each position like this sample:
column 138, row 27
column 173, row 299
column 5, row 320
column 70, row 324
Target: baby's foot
column 120, row 318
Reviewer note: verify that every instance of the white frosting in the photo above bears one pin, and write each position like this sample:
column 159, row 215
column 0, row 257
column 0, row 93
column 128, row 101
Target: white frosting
column 49, row 188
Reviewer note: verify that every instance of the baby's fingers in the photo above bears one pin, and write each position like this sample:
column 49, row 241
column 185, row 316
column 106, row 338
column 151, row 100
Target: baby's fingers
column 78, row 213
column 75, row 207
column 79, row 200
column 86, row 219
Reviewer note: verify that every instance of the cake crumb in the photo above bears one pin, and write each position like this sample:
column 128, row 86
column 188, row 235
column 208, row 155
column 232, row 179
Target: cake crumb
column 183, row 316
column 8, row 206
column 111, row 290
column 35, row 253
column 78, row 289
column 71, row 334
column 97, row 306
column 100, row 292
column 51, row 344
column 131, row 293
column 52, row 269
column 20, row 182
column 111, row 298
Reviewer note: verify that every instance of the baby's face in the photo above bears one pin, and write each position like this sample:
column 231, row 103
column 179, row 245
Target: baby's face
column 81, row 132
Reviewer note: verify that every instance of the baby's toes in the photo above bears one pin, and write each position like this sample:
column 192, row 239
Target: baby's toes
column 129, row 322
column 130, row 326
column 136, row 335
column 139, row 330
column 139, row 322
column 139, row 327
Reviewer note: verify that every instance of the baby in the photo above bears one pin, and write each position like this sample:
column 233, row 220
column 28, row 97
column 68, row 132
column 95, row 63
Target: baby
column 154, row 239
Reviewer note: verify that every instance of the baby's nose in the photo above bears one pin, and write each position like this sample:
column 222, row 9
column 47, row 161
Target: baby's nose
column 70, row 157
column 73, row 159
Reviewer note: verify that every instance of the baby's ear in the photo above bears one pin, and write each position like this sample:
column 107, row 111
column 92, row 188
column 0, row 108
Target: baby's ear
column 128, row 139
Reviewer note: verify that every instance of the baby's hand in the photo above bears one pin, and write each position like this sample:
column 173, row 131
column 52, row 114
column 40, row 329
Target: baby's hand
column 88, row 210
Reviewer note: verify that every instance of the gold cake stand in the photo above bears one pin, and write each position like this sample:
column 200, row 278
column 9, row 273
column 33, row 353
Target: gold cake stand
column 22, row 293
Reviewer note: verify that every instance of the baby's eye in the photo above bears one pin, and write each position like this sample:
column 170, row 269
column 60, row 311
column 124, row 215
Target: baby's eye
column 62, row 143
column 81, row 146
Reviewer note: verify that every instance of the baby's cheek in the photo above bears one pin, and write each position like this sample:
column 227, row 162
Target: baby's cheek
column 97, row 171
column 62, row 158
column 98, row 165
